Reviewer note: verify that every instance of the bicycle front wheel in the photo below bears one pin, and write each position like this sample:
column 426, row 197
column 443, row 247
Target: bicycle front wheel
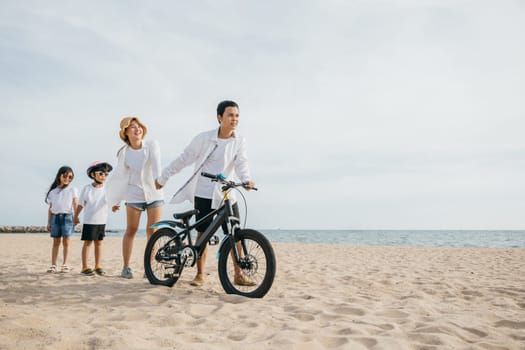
column 253, row 276
column 161, row 260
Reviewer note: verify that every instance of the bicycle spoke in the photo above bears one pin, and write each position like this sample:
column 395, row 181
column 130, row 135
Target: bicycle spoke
column 160, row 258
column 254, row 274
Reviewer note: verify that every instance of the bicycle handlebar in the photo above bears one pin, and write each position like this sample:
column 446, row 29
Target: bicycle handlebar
column 211, row 176
column 222, row 179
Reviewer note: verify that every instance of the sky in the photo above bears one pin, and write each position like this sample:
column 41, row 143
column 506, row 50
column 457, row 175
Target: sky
column 405, row 114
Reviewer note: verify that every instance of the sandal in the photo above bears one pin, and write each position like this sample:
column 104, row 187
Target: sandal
column 52, row 269
column 87, row 272
column 242, row 280
column 99, row 271
column 198, row 280
column 65, row 269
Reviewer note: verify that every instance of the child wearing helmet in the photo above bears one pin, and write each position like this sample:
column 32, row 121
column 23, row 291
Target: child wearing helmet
column 93, row 200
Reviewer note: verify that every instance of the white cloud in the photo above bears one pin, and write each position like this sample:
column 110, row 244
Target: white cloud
column 358, row 114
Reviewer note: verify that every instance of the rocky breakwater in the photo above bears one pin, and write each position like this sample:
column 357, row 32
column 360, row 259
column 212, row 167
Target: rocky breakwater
column 22, row 229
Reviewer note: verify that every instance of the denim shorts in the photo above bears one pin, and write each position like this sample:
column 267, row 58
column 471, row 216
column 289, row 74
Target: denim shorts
column 143, row 205
column 62, row 225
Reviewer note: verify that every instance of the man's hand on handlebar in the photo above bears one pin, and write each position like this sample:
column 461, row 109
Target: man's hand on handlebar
column 249, row 185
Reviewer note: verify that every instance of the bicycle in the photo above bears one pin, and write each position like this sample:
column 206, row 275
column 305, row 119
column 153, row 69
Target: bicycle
column 171, row 248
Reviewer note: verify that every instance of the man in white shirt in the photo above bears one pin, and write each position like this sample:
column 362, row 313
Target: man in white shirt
column 216, row 151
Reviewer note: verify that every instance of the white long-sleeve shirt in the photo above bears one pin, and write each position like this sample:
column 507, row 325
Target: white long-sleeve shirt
column 117, row 185
column 197, row 152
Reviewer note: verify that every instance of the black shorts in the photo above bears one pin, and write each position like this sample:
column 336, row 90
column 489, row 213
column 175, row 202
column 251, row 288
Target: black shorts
column 93, row 232
column 204, row 207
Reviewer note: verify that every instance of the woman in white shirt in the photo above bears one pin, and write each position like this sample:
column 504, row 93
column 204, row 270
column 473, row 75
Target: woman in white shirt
column 133, row 181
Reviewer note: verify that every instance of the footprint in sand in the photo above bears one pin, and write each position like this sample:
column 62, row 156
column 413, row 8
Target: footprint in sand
column 96, row 343
column 347, row 310
column 155, row 299
column 511, row 324
column 427, row 339
column 198, row 311
column 137, row 316
column 411, row 296
column 379, row 328
column 307, row 297
column 333, row 342
column 237, row 336
column 474, row 331
column 385, row 326
column 367, row 342
column 192, row 339
column 469, row 293
column 233, row 298
column 394, row 314
column 345, row 331
column 303, row 316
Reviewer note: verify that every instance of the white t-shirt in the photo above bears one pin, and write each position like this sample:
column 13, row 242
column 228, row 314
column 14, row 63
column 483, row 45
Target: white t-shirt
column 95, row 205
column 61, row 199
column 214, row 165
column 135, row 161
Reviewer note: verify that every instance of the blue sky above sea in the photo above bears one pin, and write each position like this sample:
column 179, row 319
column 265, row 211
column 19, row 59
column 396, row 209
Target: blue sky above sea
column 358, row 115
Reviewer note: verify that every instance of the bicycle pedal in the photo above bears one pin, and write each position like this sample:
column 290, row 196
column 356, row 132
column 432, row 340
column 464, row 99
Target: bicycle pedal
column 214, row 240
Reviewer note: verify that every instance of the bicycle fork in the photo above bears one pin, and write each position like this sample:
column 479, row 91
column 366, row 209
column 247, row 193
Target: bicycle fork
column 239, row 249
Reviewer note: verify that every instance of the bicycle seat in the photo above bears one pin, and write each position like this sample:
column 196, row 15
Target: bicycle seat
column 186, row 214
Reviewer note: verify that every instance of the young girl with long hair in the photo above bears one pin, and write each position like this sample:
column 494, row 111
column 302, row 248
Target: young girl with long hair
column 62, row 199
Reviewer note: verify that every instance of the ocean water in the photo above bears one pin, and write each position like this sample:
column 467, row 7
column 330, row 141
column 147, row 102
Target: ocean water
column 414, row 238
column 424, row 238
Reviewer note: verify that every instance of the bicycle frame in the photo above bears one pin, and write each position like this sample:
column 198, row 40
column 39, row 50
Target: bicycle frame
column 224, row 214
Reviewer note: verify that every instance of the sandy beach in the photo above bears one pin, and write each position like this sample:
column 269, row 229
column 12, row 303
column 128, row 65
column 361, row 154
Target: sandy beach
column 324, row 297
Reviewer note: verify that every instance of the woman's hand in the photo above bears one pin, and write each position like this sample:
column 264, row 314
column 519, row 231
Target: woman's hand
column 115, row 208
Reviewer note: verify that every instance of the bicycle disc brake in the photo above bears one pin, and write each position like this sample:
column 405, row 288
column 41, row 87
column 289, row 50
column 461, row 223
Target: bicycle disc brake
column 249, row 264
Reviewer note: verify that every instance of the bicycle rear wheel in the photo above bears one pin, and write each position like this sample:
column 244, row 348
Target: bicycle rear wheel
column 257, row 264
column 161, row 259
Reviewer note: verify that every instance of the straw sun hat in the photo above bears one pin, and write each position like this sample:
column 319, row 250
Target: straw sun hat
column 124, row 123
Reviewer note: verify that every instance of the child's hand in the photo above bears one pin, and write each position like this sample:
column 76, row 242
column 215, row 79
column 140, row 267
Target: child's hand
column 115, row 208
column 48, row 228
column 76, row 220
